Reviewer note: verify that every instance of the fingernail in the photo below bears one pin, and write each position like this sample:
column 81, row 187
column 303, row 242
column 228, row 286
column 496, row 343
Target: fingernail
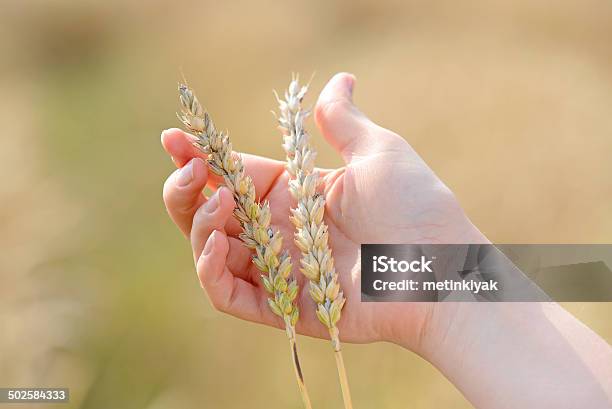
column 209, row 243
column 213, row 203
column 351, row 84
column 185, row 175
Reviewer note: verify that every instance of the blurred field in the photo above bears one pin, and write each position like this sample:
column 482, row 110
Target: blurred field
column 509, row 102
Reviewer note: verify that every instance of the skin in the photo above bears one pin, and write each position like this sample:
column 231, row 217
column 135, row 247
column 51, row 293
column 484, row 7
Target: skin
column 500, row 355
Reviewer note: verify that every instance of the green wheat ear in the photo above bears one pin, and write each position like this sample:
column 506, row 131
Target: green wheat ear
column 254, row 218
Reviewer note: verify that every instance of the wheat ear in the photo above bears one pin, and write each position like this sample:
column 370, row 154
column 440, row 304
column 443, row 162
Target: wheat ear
column 311, row 236
column 254, row 218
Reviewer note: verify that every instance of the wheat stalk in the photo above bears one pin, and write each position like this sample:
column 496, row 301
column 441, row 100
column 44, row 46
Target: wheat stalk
column 254, row 218
column 311, row 235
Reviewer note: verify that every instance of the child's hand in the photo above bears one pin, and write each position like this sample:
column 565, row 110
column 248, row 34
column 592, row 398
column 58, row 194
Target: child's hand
column 500, row 355
column 384, row 194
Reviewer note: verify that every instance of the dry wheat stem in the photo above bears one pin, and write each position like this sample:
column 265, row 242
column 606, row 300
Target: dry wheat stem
column 254, row 219
column 311, row 235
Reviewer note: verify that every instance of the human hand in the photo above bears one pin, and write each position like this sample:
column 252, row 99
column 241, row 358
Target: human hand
column 385, row 193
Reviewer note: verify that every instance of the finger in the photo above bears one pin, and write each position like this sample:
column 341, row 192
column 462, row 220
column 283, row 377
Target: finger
column 212, row 215
column 216, row 214
column 182, row 193
column 239, row 261
column 226, row 292
column 207, row 221
column 340, row 122
column 263, row 171
column 179, row 146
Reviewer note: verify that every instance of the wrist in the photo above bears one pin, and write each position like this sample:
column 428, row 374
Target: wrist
column 426, row 322
column 415, row 330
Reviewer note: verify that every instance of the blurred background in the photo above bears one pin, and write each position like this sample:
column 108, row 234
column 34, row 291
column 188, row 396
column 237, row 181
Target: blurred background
column 509, row 102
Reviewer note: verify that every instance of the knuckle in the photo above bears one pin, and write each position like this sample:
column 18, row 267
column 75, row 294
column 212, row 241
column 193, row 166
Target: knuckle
column 219, row 304
column 167, row 189
column 202, row 219
column 216, row 301
column 328, row 110
column 200, row 268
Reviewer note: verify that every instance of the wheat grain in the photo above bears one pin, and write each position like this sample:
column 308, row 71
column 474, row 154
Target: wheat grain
column 254, row 218
column 311, row 236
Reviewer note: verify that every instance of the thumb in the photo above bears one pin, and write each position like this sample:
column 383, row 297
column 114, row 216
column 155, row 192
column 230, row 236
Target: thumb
column 340, row 122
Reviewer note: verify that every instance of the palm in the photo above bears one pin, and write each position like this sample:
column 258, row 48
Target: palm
column 362, row 206
column 384, row 194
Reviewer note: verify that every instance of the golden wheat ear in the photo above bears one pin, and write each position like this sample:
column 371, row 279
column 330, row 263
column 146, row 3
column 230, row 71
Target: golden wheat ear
column 311, row 233
column 254, row 218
